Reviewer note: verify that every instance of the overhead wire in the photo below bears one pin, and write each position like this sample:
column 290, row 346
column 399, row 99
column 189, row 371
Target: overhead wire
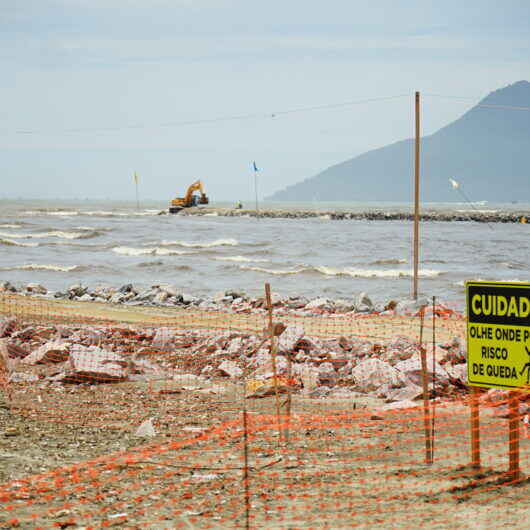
column 236, row 117
column 251, row 116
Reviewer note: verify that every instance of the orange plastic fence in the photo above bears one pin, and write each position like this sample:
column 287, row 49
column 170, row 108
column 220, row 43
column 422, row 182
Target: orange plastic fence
column 316, row 422
column 338, row 470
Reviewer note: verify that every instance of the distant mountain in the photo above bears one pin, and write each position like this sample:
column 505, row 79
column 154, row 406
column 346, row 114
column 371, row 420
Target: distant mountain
column 487, row 150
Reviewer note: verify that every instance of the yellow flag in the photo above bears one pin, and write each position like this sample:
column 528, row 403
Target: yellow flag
column 135, row 178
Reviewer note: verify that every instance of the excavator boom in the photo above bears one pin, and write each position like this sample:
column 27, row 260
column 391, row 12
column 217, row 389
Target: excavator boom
column 189, row 199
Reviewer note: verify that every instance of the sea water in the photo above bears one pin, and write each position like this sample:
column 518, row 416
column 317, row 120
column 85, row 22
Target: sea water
column 58, row 243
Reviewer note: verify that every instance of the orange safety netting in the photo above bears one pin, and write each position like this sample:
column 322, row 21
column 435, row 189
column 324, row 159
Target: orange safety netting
column 315, row 421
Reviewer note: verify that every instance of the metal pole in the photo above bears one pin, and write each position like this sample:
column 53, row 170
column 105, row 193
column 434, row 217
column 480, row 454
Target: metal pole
column 256, row 190
column 416, row 198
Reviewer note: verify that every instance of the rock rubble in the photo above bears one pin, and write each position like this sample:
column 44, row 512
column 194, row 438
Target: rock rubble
column 304, row 363
column 160, row 295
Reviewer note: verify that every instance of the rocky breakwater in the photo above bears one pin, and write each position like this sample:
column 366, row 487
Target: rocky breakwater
column 373, row 215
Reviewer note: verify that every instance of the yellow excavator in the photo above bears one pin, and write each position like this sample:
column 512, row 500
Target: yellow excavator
column 189, row 200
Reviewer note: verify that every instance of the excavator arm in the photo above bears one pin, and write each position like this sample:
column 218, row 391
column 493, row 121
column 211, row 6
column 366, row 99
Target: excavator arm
column 189, row 200
column 196, row 186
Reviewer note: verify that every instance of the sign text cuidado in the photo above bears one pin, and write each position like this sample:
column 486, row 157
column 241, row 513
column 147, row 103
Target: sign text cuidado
column 498, row 334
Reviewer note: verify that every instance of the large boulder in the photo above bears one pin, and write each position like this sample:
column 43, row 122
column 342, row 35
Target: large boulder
column 94, row 365
column 458, row 373
column 7, row 326
column 291, row 339
column 235, row 345
column 370, row 374
column 411, row 368
column 51, row 352
column 308, row 375
column 363, row 303
column 36, row 288
column 229, row 368
column 317, row 303
column 163, row 338
column 411, row 307
column 327, row 375
column 77, row 290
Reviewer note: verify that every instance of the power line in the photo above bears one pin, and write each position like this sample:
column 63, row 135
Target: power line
column 236, row 117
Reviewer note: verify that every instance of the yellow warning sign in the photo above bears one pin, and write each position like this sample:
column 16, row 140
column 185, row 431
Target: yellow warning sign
column 498, row 334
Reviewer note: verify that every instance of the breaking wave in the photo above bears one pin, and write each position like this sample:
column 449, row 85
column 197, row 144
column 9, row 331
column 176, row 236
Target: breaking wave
column 12, row 243
column 208, row 244
column 374, row 273
column 43, row 267
column 153, row 251
column 390, row 261
column 86, row 234
column 354, row 273
column 279, row 272
column 242, row 259
column 64, row 213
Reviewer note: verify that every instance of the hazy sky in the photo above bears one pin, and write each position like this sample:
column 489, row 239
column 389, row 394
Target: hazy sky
column 93, row 90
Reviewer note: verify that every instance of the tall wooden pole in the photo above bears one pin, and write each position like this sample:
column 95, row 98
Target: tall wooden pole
column 425, row 384
column 416, row 200
column 514, row 436
column 475, row 428
column 268, row 298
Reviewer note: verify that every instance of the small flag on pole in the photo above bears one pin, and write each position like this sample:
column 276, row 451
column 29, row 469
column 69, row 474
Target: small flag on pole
column 135, row 178
column 255, row 167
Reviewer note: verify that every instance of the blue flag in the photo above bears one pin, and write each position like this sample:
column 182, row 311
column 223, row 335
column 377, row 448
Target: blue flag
column 255, row 167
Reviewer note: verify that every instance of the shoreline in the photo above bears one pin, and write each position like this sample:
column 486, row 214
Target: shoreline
column 371, row 215
column 166, row 297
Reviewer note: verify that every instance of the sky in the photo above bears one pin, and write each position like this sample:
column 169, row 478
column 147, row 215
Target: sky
column 93, row 90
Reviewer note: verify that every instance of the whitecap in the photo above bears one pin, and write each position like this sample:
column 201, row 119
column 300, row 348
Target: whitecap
column 354, row 273
column 374, row 273
column 9, row 226
column 243, row 259
column 43, row 267
column 11, row 242
column 145, row 213
column 278, row 272
column 100, row 213
column 54, row 233
column 208, row 244
column 389, row 261
column 149, row 251
column 63, row 213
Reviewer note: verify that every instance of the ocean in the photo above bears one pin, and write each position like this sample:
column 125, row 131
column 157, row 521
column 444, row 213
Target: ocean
column 59, row 243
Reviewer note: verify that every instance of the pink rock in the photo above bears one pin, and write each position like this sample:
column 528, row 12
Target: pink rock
column 94, row 365
column 51, row 352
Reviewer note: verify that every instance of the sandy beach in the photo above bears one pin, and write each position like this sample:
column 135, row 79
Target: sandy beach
column 79, row 431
